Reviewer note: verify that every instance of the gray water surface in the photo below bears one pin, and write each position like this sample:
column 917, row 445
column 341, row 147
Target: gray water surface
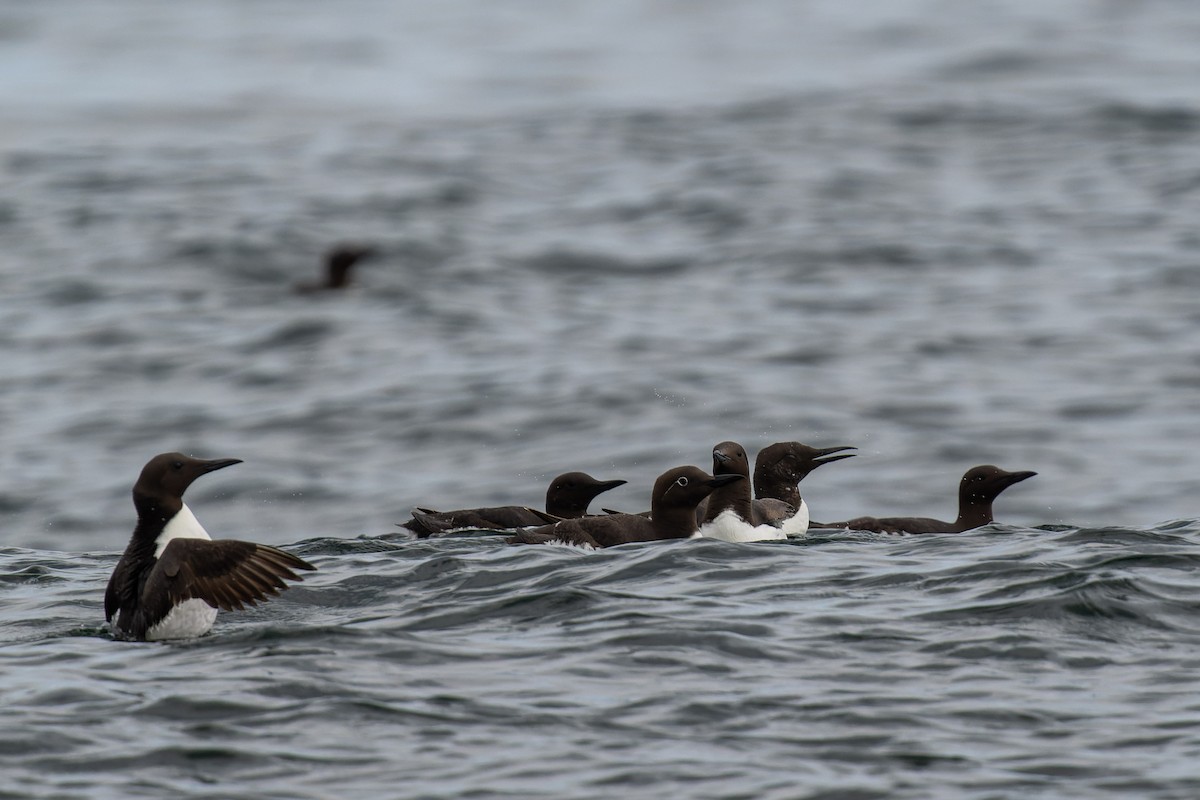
column 609, row 236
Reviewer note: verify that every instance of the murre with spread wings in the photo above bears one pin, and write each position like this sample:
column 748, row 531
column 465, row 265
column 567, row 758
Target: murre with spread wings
column 173, row 577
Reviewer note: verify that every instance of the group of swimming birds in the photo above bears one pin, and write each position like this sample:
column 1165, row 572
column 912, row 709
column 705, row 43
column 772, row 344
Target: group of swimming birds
column 173, row 577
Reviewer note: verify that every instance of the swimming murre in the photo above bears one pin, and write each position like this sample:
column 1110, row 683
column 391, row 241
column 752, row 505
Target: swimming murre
column 673, row 503
column 977, row 490
column 730, row 513
column 778, row 470
column 338, row 264
column 567, row 497
column 172, row 577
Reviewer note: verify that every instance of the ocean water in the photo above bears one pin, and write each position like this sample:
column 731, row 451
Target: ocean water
column 608, row 236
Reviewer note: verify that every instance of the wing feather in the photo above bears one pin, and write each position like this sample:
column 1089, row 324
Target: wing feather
column 226, row 573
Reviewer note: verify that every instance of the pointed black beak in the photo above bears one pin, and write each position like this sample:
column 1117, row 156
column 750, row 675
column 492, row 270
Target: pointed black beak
column 820, row 458
column 720, row 457
column 1017, row 477
column 604, row 486
column 217, row 463
column 717, row 481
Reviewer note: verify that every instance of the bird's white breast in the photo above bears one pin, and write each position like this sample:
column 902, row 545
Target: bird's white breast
column 797, row 524
column 189, row 619
column 183, row 525
column 729, row 527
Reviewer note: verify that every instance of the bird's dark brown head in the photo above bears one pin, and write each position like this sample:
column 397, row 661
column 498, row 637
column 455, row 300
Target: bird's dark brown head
column 166, row 477
column 794, row 460
column 571, row 493
column 729, row 458
column 682, row 488
column 340, row 260
column 781, row 466
column 983, row 484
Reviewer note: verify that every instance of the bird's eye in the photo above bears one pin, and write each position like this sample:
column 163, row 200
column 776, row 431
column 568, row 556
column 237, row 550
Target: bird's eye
column 177, row 464
column 681, row 480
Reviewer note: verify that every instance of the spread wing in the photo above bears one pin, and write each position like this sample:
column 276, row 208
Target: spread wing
column 226, row 574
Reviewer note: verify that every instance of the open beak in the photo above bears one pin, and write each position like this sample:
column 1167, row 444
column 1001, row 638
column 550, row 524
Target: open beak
column 826, row 456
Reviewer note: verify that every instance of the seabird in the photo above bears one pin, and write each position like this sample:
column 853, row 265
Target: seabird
column 778, row 470
column 676, row 494
column 730, row 513
column 173, row 577
column 338, row 263
column 567, row 497
column 979, row 487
